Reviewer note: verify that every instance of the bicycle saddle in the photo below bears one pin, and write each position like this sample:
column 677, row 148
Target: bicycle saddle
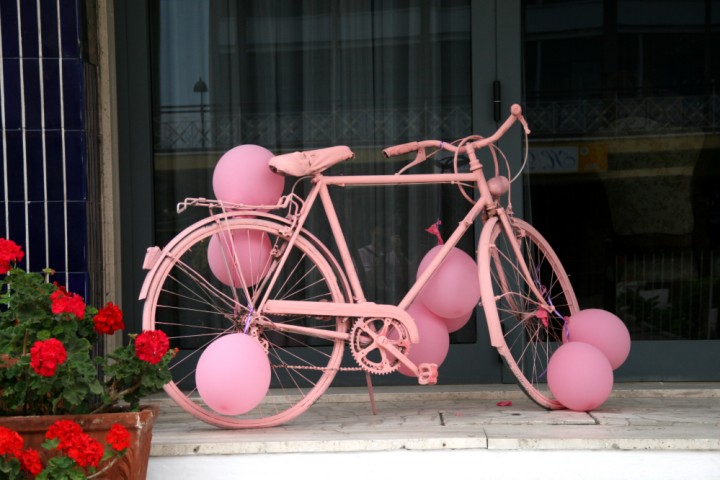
column 310, row 162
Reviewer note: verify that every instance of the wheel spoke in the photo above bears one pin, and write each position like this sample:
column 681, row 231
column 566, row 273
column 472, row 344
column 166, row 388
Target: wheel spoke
column 530, row 333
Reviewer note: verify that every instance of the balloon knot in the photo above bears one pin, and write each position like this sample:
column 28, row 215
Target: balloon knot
column 434, row 229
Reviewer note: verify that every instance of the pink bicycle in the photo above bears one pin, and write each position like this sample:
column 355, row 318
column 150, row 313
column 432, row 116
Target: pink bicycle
column 305, row 307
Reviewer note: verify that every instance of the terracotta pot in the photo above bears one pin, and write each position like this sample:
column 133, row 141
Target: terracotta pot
column 6, row 361
column 131, row 466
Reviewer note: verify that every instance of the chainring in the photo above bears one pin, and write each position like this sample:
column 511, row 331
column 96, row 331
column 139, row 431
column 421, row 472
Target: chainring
column 370, row 336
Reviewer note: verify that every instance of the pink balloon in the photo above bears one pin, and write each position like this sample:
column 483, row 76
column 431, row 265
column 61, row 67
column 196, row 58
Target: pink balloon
column 244, row 261
column 604, row 331
column 434, row 338
column 455, row 324
column 454, row 289
column 233, row 374
column 242, row 175
column 579, row 376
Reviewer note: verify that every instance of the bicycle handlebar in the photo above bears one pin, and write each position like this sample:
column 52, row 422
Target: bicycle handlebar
column 400, row 149
column 515, row 115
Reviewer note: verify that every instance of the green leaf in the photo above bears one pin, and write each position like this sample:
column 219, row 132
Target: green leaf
column 77, row 475
column 43, row 334
column 74, row 395
column 50, row 444
column 96, row 388
column 10, row 468
column 61, row 468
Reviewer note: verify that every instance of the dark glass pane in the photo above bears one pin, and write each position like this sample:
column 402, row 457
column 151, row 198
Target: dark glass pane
column 622, row 101
column 290, row 76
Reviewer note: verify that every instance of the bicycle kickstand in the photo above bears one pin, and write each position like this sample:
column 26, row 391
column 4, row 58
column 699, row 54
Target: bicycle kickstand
column 427, row 375
column 371, row 392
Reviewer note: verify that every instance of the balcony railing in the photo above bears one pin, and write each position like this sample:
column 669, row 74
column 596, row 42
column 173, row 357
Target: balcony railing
column 211, row 127
column 669, row 296
column 624, row 116
column 189, row 129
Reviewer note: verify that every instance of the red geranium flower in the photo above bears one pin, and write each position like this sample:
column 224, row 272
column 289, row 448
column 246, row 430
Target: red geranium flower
column 75, row 443
column 10, row 252
column 30, row 461
column 46, row 356
column 109, row 319
column 10, row 442
column 151, row 346
column 118, row 437
column 85, row 450
column 63, row 430
column 64, row 302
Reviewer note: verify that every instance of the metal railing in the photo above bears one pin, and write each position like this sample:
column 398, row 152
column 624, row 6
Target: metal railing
column 625, row 116
column 190, row 128
column 183, row 129
column 669, row 295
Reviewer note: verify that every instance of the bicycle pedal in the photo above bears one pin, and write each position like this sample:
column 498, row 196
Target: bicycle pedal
column 427, row 373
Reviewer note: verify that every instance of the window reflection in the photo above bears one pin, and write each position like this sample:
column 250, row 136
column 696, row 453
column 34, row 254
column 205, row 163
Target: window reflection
column 292, row 75
column 622, row 99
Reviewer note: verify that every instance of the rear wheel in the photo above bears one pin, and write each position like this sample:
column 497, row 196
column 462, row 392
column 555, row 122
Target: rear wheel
column 525, row 333
column 209, row 283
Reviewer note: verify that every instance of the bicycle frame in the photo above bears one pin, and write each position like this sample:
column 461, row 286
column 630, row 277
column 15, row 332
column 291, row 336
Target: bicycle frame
column 321, row 189
column 361, row 308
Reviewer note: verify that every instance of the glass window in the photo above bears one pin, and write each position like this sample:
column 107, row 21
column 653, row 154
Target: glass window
column 622, row 100
column 290, row 75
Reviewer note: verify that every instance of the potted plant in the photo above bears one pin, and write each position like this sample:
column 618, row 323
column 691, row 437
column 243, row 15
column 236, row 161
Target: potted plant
column 60, row 392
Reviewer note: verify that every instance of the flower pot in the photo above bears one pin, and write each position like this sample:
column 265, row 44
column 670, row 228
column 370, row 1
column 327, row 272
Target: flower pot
column 131, row 466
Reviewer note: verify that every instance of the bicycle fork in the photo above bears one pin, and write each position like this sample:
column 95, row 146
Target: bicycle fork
column 543, row 305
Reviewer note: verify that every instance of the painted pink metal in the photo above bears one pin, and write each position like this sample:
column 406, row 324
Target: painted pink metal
column 515, row 266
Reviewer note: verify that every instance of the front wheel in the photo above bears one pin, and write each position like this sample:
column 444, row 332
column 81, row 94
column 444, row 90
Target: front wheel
column 209, row 282
column 524, row 332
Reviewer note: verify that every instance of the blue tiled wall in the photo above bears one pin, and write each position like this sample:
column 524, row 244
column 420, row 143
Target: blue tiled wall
column 43, row 179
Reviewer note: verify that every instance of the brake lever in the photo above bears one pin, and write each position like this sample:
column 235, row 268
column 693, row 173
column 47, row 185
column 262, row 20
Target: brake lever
column 419, row 158
column 522, row 120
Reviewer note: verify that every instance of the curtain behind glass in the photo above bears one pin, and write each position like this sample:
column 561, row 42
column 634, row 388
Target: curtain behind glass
column 292, row 75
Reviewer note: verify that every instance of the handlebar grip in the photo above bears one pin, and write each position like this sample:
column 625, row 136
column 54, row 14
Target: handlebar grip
column 516, row 111
column 401, row 149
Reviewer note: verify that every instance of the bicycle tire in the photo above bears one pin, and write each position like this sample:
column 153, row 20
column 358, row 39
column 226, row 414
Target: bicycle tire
column 524, row 336
column 185, row 299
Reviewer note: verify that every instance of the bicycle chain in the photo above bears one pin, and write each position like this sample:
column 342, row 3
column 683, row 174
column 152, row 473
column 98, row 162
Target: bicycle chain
column 310, row 367
column 376, row 368
column 255, row 333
